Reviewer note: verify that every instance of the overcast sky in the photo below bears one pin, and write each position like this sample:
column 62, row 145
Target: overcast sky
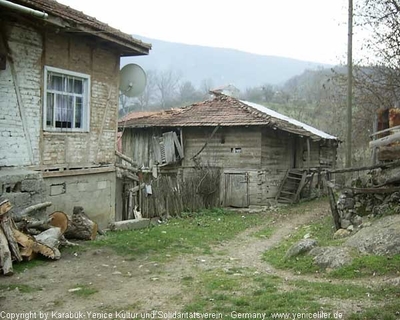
column 313, row 30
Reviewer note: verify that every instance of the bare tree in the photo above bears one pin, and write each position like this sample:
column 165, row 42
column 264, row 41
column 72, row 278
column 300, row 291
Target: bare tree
column 147, row 98
column 167, row 84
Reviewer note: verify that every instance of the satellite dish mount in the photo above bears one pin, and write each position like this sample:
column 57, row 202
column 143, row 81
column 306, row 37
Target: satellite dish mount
column 132, row 80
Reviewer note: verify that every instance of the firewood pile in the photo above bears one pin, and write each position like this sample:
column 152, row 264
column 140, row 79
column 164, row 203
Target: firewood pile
column 24, row 237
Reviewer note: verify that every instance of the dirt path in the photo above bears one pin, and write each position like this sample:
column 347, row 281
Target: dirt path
column 143, row 284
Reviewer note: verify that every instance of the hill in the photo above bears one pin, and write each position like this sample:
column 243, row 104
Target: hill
column 197, row 63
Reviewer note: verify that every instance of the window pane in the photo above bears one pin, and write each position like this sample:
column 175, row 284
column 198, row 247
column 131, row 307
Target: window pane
column 50, row 109
column 64, row 111
column 55, row 82
column 78, row 86
column 70, row 85
column 78, row 112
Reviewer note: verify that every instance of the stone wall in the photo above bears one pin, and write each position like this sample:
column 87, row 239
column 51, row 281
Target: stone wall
column 22, row 187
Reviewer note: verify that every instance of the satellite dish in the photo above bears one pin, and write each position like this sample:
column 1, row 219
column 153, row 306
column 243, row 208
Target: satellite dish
column 132, row 80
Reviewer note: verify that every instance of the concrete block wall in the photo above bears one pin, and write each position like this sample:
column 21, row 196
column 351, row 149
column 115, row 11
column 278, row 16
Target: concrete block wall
column 22, row 187
column 95, row 193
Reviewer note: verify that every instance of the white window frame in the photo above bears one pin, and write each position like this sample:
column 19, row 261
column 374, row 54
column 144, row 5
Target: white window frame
column 85, row 101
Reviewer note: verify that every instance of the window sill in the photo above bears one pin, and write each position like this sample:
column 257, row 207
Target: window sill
column 63, row 132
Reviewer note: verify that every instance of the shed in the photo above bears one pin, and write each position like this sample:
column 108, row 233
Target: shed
column 260, row 154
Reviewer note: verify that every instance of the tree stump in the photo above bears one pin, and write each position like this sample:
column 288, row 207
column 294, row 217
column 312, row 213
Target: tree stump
column 81, row 227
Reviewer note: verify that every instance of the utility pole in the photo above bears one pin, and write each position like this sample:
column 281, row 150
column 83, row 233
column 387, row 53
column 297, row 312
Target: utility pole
column 349, row 84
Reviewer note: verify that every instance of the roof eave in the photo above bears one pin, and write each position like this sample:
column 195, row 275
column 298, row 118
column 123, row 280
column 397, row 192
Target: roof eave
column 127, row 48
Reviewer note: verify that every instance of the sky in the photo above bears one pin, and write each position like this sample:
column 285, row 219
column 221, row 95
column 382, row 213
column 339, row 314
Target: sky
column 311, row 30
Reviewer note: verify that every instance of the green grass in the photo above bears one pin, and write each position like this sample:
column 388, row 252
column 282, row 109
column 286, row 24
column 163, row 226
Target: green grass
column 264, row 233
column 85, row 290
column 367, row 266
column 219, row 291
column 391, row 311
column 23, row 288
column 321, row 230
column 26, row 265
column 195, row 232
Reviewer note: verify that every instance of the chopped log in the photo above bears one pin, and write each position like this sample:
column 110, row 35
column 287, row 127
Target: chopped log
column 51, row 237
column 5, row 206
column 81, row 227
column 30, row 247
column 26, row 244
column 5, row 255
column 35, row 207
column 59, row 219
column 5, row 222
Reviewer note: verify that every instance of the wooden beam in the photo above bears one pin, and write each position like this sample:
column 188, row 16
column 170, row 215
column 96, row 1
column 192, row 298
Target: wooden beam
column 385, row 140
column 384, row 165
column 308, row 153
column 131, row 169
column 383, row 131
column 208, row 140
column 68, row 173
column 126, row 158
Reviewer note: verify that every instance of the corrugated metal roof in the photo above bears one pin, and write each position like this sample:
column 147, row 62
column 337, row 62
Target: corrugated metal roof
column 77, row 20
column 225, row 111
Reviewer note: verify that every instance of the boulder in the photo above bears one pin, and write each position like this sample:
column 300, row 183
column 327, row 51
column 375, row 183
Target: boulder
column 331, row 257
column 356, row 220
column 381, row 238
column 341, row 233
column 301, row 247
column 345, row 223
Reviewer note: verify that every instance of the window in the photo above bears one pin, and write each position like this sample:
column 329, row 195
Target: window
column 66, row 100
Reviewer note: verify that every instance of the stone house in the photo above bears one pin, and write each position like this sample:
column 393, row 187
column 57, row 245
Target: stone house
column 59, row 78
column 261, row 155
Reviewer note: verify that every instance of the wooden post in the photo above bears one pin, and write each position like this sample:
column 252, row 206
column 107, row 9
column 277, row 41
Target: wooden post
column 308, row 153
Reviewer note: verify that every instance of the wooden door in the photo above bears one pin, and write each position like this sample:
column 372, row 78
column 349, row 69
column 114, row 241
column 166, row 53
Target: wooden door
column 236, row 190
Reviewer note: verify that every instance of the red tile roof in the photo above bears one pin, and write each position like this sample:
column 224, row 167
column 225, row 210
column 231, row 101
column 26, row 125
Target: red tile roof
column 76, row 20
column 136, row 115
column 224, row 111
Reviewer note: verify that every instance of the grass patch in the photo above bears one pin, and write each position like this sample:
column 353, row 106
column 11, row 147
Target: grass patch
column 26, row 265
column 84, row 291
column 195, row 232
column 391, row 311
column 218, row 291
column 368, row 266
column 23, row 288
column 322, row 231
column 264, row 233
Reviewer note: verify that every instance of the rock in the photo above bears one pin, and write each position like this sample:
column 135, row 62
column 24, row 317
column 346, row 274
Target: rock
column 341, row 233
column 356, row 220
column 366, row 224
column 300, row 247
column 382, row 238
column 331, row 257
column 345, row 223
column 350, row 228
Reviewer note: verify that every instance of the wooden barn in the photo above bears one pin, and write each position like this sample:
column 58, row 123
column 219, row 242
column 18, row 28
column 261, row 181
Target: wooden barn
column 226, row 151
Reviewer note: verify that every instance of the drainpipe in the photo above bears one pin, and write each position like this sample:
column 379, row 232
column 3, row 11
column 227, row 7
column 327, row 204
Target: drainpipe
column 17, row 7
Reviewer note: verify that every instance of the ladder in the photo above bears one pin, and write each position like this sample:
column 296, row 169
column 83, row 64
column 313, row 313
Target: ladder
column 291, row 186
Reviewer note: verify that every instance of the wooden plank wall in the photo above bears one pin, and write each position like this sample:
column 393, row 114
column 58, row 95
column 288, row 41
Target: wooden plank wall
column 220, row 150
column 137, row 144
